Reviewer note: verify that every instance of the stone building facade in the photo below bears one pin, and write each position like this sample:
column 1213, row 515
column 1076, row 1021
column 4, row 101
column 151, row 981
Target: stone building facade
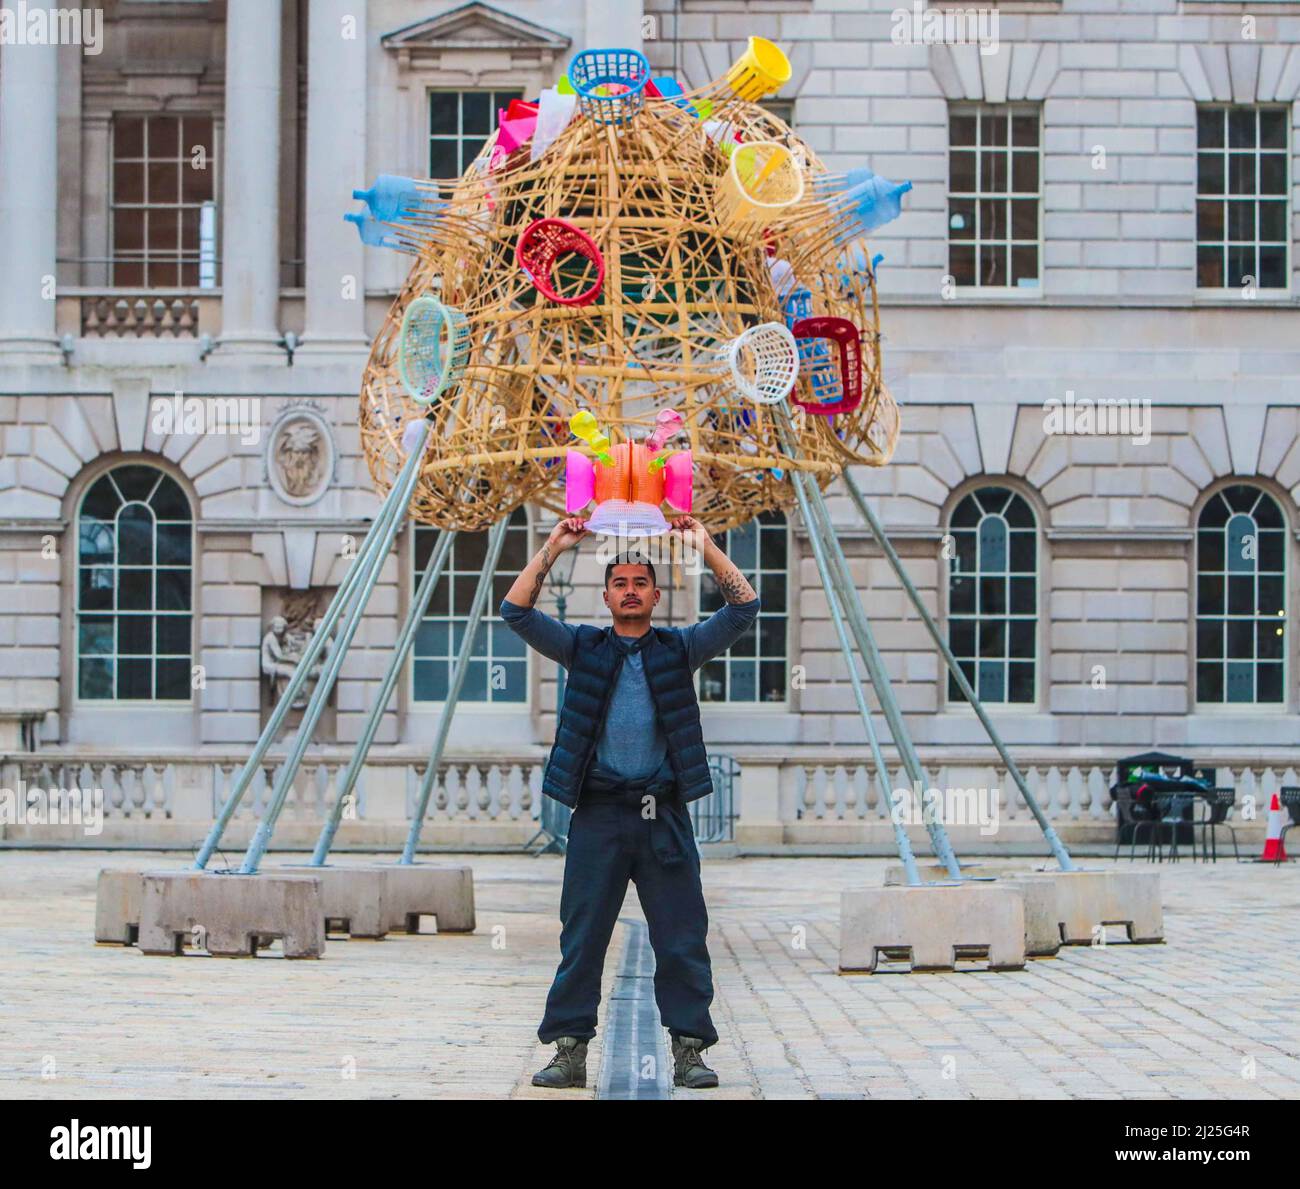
column 1090, row 323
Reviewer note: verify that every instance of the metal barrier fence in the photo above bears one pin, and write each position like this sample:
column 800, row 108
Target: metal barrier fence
column 713, row 817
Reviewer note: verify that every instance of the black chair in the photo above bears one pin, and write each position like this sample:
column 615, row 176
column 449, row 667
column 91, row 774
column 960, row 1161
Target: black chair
column 1133, row 813
column 1219, row 803
column 1291, row 802
column 1176, row 808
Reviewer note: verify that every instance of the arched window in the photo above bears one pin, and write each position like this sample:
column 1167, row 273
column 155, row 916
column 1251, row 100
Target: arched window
column 1240, row 598
column 498, row 669
column 135, row 549
column 754, row 668
column 993, row 595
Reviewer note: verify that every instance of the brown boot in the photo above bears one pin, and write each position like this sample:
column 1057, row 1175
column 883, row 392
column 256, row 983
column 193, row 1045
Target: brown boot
column 567, row 1069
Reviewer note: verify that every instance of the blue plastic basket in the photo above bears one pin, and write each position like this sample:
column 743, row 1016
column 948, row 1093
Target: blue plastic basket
column 592, row 70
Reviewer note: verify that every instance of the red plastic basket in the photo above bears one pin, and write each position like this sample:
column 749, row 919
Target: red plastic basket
column 849, row 339
column 543, row 243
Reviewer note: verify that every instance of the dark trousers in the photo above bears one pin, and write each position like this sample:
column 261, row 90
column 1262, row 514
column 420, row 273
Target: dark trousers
column 609, row 844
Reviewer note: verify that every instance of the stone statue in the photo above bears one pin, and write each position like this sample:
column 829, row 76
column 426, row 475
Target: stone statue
column 282, row 652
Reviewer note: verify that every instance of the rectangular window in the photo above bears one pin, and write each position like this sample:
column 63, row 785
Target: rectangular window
column 1243, row 213
column 754, row 668
column 994, row 196
column 163, row 172
column 459, row 124
column 498, row 665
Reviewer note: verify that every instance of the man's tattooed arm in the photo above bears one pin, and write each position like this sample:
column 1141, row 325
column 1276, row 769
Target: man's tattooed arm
column 543, row 561
column 526, row 588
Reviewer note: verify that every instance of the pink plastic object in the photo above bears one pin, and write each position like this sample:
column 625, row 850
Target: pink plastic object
column 513, row 134
column 543, row 243
column 579, row 481
column 849, row 338
column 679, row 484
column 667, row 423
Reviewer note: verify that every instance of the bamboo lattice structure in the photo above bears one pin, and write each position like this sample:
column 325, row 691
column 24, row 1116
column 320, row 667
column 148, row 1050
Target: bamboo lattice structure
column 679, row 286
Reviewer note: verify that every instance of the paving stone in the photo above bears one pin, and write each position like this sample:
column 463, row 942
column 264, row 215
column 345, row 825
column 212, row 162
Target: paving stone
column 456, row 1016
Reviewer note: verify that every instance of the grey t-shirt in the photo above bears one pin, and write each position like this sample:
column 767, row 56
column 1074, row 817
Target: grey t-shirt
column 631, row 741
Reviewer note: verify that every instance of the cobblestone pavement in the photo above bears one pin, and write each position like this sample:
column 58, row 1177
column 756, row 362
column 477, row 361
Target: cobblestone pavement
column 1213, row 1013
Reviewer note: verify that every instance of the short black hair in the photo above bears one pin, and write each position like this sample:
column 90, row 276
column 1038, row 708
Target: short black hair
column 630, row 559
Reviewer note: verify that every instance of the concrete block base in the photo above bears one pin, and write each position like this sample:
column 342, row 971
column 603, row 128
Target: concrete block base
column 1042, row 932
column 934, row 925
column 1087, row 900
column 117, row 907
column 353, row 897
column 234, row 914
column 441, row 890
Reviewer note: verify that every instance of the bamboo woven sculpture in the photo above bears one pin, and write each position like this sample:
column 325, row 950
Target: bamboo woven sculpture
column 696, row 242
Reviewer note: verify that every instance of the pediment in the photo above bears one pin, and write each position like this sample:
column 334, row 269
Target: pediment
column 475, row 26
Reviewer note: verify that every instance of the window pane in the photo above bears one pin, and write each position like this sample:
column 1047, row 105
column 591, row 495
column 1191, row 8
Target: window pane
column 135, row 635
column 134, row 590
column 1209, row 639
column 135, row 536
column 1209, row 127
column 173, row 680
column 95, row 635
column 744, row 681
column 961, row 172
column 1209, row 268
column 1272, row 173
column 134, row 679
column 174, row 590
column 961, row 218
column 1241, row 128
column 95, row 679
column 173, row 632
column 771, row 679
column 993, row 264
column 442, row 114
column 1209, row 683
column 431, row 681
column 174, row 543
column 95, row 589
column 961, row 129
column 1024, row 130
column 1209, row 173
column 477, row 113
column 1272, row 128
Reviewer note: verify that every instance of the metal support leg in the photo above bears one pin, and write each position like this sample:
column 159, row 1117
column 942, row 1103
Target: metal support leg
column 419, row 604
column 1059, row 852
column 496, row 539
column 393, row 505
column 812, row 507
column 901, row 840
column 320, row 695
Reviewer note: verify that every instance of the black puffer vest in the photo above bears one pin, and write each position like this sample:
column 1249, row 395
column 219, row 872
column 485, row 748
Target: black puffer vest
column 597, row 660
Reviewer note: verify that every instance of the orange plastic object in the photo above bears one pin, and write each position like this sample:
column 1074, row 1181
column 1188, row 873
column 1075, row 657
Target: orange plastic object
column 630, row 477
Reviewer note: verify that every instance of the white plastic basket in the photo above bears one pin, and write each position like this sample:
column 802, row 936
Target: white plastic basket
column 764, row 363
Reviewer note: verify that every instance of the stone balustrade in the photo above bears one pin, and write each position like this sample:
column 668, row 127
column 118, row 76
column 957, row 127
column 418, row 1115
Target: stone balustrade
column 819, row 798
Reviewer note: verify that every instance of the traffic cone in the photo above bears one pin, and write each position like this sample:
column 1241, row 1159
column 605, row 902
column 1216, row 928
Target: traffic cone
column 1274, row 851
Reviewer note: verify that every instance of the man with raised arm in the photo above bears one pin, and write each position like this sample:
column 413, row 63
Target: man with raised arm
column 628, row 757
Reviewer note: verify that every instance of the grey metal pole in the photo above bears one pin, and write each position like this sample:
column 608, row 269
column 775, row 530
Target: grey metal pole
column 325, row 683
column 1059, row 851
column 816, row 516
column 901, row 840
column 495, row 540
column 387, row 512
column 401, row 650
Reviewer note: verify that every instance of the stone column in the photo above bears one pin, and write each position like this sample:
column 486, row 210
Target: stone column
column 336, row 162
column 29, row 199
column 250, row 223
